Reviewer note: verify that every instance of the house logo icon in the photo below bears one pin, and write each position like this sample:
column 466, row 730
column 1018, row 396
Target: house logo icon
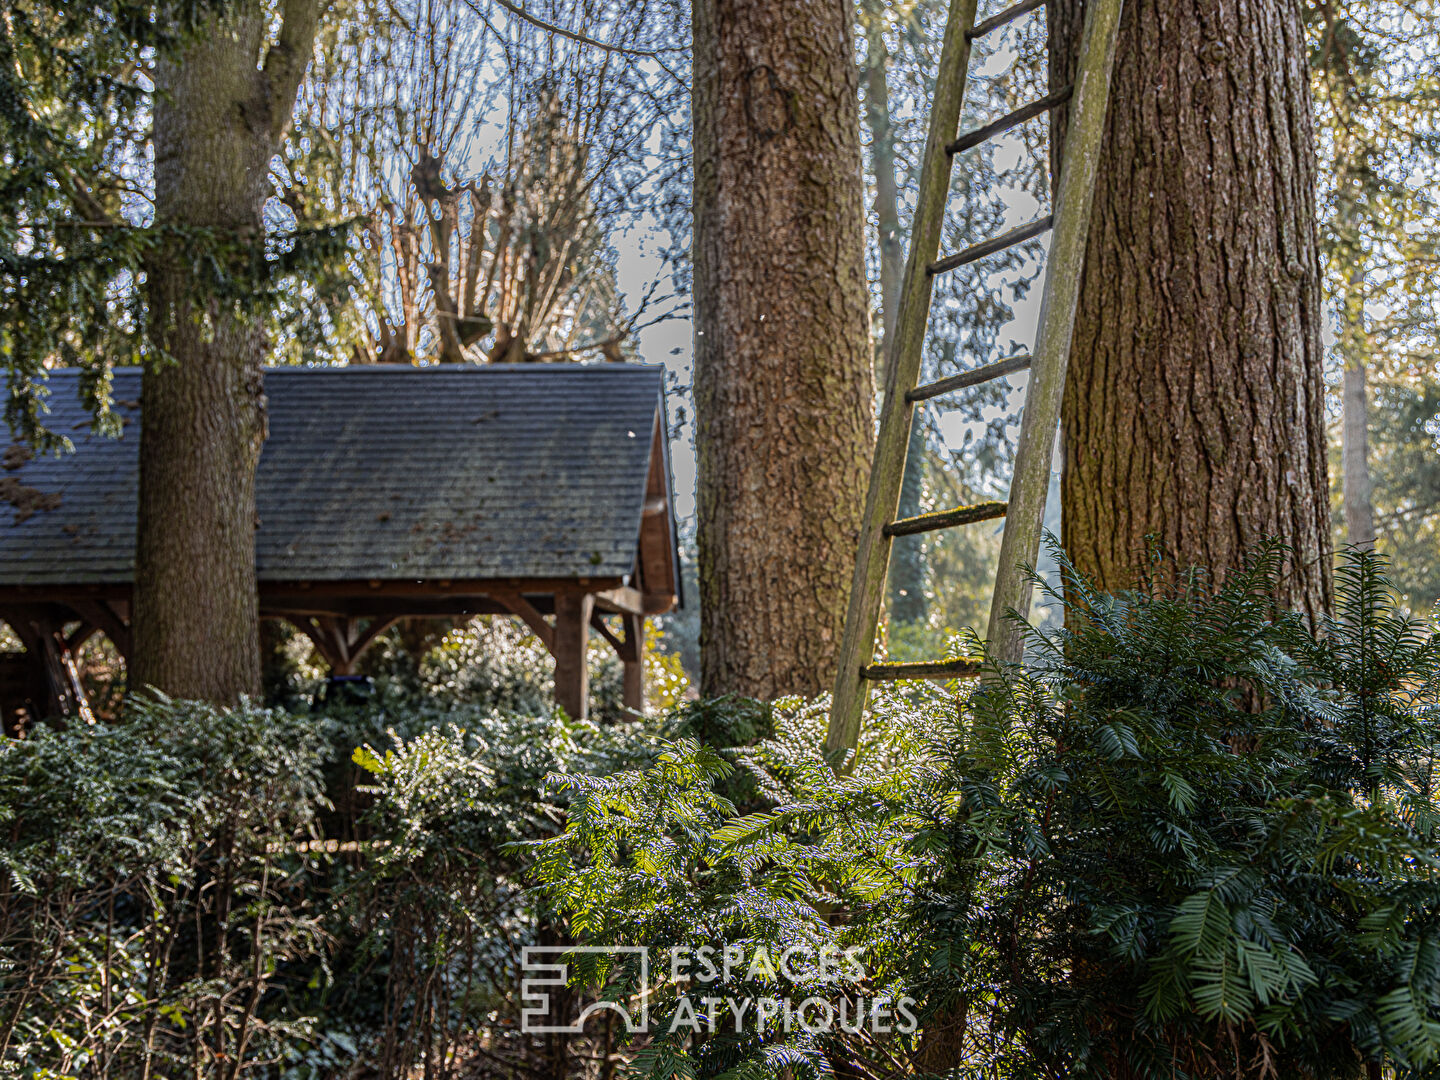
column 546, row 971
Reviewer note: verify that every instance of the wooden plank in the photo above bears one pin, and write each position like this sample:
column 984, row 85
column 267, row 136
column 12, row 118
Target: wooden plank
column 962, row 668
column 1010, row 120
column 945, row 519
column 966, row 379
column 1010, row 14
column 996, row 244
column 1021, row 541
column 902, row 369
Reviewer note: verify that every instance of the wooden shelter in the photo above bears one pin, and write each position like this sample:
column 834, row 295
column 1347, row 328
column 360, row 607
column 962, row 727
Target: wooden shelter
column 539, row 491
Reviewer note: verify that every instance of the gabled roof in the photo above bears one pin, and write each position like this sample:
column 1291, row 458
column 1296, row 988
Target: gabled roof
column 381, row 473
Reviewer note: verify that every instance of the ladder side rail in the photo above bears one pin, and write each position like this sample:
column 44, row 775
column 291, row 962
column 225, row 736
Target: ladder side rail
column 902, row 371
column 1074, row 198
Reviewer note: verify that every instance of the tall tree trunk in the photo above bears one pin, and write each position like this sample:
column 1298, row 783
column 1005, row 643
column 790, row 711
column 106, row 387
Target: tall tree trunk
column 1359, row 511
column 907, row 553
column 219, row 115
column 1193, row 409
column 1354, row 348
column 882, row 164
column 783, row 384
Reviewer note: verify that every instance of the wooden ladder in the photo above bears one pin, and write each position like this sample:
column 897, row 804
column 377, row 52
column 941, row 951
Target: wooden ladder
column 1024, row 511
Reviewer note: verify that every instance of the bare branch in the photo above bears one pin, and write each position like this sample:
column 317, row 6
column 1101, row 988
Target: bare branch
column 573, row 35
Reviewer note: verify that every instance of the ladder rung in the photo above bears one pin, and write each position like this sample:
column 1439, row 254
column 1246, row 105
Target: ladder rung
column 1009, row 120
column 944, row 519
column 1010, row 14
column 990, row 247
column 985, row 374
column 961, row 668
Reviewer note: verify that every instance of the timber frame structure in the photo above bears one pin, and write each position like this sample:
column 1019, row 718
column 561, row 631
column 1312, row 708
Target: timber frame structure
column 540, row 492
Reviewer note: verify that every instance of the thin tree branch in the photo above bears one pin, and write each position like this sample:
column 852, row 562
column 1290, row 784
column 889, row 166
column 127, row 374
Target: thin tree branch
column 573, row 35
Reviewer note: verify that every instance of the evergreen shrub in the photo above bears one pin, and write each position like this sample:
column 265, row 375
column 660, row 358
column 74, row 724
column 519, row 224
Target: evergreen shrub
column 1196, row 838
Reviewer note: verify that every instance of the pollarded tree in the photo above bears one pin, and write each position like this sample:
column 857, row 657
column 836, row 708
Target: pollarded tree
column 782, row 354
column 1194, row 404
column 488, row 160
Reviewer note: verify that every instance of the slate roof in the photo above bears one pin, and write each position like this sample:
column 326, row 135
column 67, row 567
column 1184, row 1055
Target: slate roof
column 388, row 473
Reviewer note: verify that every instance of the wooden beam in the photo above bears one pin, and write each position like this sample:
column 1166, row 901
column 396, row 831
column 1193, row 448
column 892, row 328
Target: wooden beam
column 83, row 633
column 597, row 621
column 295, row 607
column 323, row 631
column 434, row 587
column 656, row 554
column 341, row 641
column 572, row 674
column 373, row 629
column 103, row 613
column 634, row 637
column 519, row 605
column 620, row 601
column 61, row 593
column 633, row 657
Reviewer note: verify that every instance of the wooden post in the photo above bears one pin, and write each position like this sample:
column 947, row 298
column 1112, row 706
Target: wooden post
column 41, row 631
column 633, row 659
column 572, row 636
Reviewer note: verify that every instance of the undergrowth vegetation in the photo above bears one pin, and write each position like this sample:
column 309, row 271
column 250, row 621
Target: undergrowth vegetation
column 252, row 892
column 1195, row 838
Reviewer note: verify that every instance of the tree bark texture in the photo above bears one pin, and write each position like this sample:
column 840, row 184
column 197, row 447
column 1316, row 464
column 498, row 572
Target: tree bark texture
column 1193, row 407
column 783, row 382
column 219, row 116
